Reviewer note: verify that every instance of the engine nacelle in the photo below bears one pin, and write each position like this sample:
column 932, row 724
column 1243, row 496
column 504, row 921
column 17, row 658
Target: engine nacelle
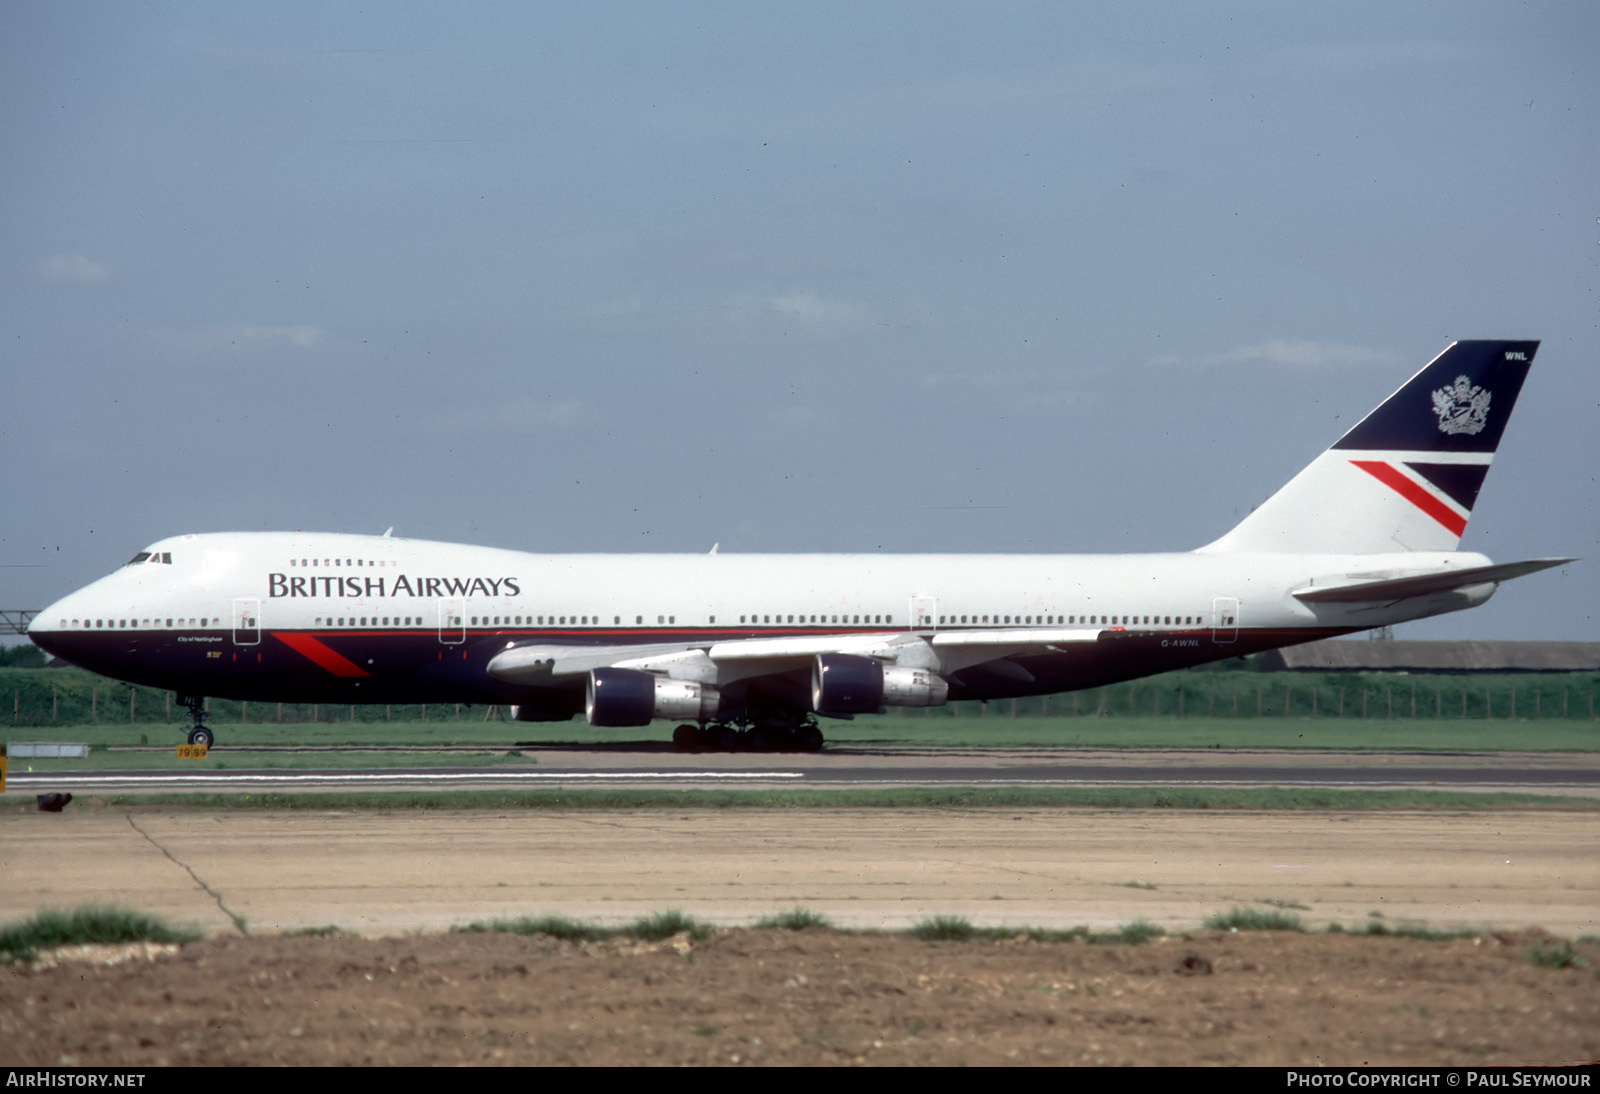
column 628, row 697
column 845, row 683
column 904, row 687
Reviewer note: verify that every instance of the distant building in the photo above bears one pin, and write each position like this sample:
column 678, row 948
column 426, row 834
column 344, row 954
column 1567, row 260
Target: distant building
column 1357, row 656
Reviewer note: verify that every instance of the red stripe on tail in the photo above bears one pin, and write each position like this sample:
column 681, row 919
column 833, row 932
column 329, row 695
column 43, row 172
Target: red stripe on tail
column 1391, row 477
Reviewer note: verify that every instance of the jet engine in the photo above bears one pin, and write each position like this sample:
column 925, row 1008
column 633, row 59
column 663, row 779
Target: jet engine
column 628, row 697
column 846, row 683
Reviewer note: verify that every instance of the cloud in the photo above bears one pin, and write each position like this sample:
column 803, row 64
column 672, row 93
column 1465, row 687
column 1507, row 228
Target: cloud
column 1302, row 353
column 72, row 270
column 1019, row 393
column 222, row 338
column 525, row 415
column 303, row 336
column 806, row 310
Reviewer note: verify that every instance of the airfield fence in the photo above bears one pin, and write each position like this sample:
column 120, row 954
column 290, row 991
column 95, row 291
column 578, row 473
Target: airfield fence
column 41, row 697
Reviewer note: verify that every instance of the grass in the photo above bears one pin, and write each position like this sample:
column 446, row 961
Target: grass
column 53, row 929
column 327, row 930
column 956, row 929
column 1556, row 955
column 796, row 919
column 1017, row 797
column 1164, row 732
column 568, row 930
column 911, row 729
column 1405, row 930
column 650, row 928
column 1255, row 919
column 107, row 759
column 1134, row 934
column 944, row 928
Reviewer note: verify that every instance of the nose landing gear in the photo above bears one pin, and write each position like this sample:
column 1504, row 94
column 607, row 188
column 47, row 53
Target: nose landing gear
column 199, row 732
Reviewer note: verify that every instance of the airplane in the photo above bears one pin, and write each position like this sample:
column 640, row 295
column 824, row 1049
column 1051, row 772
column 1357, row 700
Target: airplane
column 747, row 651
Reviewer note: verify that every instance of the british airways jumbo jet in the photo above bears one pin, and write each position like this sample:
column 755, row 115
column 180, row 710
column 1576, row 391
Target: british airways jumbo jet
column 747, row 650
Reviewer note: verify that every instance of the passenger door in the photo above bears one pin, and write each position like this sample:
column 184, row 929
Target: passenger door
column 1224, row 619
column 246, row 620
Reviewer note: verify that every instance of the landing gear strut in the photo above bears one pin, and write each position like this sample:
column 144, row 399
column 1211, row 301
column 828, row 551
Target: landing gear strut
column 199, row 732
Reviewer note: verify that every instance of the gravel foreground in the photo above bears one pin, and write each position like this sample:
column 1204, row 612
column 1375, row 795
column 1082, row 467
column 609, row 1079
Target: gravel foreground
column 773, row 997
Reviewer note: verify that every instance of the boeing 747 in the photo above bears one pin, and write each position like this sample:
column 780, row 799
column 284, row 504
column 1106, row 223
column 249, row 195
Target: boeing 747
column 747, row 651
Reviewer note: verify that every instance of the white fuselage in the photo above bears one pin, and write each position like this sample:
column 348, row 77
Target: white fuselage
column 248, row 615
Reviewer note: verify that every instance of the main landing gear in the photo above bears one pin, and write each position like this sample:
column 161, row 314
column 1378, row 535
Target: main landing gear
column 199, row 732
column 757, row 737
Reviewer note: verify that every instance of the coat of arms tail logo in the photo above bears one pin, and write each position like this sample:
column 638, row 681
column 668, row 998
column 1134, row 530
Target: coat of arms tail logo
column 1462, row 407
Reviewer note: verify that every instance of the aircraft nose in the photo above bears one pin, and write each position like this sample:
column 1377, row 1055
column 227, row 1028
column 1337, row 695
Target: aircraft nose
column 52, row 629
column 45, row 625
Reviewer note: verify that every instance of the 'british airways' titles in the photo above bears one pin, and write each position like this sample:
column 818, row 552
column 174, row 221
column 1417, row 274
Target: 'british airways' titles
column 297, row 585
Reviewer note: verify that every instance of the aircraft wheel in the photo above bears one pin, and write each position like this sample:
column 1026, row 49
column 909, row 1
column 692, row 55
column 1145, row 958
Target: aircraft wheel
column 810, row 739
column 763, row 740
column 200, row 735
column 728, row 739
column 687, row 738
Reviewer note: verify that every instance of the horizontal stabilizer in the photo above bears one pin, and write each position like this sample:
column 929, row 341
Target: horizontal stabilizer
column 1354, row 588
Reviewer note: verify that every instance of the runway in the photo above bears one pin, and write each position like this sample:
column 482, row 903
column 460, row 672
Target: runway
column 1550, row 773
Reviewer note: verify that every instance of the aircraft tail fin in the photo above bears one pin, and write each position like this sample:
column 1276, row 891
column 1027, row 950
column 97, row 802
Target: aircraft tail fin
column 1406, row 476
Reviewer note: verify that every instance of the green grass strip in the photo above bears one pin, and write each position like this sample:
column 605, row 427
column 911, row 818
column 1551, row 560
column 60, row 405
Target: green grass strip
column 1298, row 733
column 650, row 928
column 1255, row 919
column 945, row 928
column 1020, row 797
column 1405, row 930
column 52, row 929
column 796, row 919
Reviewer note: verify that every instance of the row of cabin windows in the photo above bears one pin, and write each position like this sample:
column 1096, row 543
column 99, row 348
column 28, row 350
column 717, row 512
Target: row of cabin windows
column 588, row 620
column 370, row 621
column 860, row 620
column 547, row 621
column 1072, row 620
column 312, row 563
column 884, row 620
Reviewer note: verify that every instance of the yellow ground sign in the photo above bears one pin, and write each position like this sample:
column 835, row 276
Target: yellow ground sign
column 191, row 752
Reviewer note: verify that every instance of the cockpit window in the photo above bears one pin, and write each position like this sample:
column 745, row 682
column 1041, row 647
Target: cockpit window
column 151, row 556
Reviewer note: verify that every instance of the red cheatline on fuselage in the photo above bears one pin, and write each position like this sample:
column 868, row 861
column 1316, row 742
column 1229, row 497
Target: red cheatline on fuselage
column 314, row 650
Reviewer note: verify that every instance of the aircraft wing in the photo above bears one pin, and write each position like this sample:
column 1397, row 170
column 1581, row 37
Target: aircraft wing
column 944, row 652
column 1359, row 588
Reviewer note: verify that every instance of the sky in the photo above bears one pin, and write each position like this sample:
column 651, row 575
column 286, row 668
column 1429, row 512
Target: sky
column 998, row 277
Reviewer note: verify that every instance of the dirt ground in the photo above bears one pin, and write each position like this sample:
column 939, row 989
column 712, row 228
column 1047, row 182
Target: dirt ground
column 764, row 997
